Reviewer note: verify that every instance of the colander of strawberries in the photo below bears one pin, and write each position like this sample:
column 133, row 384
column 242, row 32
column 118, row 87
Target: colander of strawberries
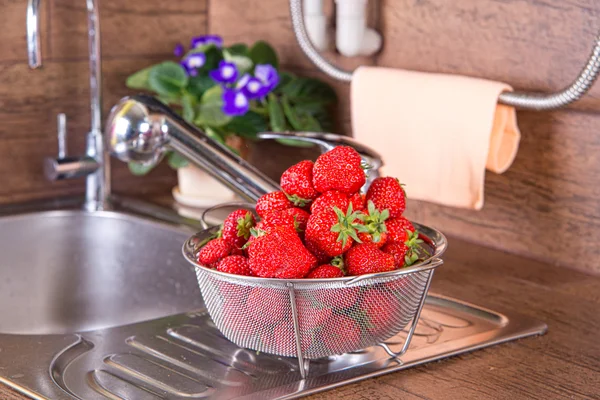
column 318, row 268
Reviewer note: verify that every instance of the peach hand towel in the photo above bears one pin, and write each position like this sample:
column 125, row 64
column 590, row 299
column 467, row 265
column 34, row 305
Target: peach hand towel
column 436, row 133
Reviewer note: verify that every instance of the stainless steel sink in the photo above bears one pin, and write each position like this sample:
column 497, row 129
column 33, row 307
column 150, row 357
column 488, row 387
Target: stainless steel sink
column 75, row 271
column 103, row 306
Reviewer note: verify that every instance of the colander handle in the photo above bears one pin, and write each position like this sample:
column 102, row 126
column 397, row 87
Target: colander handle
column 433, row 263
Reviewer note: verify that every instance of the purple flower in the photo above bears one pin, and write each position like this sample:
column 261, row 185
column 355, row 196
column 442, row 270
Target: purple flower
column 268, row 75
column 235, row 102
column 206, row 40
column 226, row 73
column 178, row 50
column 252, row 87
column 192, row 62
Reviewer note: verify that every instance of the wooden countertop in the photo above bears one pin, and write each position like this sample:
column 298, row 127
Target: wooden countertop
column 563, row 363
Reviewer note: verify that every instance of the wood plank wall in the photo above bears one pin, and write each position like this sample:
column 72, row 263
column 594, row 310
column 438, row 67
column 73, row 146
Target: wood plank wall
column 134, row 34
column 547, row 205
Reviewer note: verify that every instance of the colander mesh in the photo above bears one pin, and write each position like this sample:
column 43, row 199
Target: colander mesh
column 334, row 317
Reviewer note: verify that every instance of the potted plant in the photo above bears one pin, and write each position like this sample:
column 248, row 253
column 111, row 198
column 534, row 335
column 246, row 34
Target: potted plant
column 231, row 93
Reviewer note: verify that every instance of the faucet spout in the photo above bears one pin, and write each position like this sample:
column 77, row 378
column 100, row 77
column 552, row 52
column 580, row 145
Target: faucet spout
column 141, row 129
column 34, row 52
column 95, row 164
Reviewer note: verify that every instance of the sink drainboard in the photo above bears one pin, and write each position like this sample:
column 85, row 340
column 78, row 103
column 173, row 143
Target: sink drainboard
column 185, row 356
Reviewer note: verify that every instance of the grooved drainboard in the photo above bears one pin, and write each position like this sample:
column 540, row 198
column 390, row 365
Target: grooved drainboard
column 102, row 306
column 185, row 357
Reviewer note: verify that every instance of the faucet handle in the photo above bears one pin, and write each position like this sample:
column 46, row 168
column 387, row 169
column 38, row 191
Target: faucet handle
column 61, row 122
column 64, row 167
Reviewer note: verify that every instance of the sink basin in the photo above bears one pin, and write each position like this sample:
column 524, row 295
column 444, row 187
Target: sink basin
column 72, row 271
column 103, row 306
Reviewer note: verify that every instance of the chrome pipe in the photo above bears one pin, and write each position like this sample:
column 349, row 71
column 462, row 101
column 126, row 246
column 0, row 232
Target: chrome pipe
column 34, row 52
column 523, row 100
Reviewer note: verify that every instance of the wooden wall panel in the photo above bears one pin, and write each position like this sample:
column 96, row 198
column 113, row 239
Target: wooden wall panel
column 135, row 34
column 547, row 206
column 129, row 29
column 529, row 44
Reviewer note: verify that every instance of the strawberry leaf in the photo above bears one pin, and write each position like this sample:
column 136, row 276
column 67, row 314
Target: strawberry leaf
column 298, row 201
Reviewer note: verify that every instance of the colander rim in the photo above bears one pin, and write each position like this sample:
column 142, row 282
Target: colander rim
column 432, row 236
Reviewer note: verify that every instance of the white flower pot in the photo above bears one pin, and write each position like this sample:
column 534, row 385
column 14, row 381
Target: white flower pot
column 196, row 188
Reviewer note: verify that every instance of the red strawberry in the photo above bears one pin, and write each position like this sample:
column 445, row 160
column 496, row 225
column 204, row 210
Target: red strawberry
column 387, row 193
column 280, row 253
column 270, row 202
column 332, row 232
column 260, row 306
column 381, row 309
column 358, row 201
column 236, row 227
column 237, row 265
column 398, row 250
column 339, row 169
column 278, row 218
column 300, row 218
column 397, row 229
column 328, row 200
column 373, row 229
column 341, row 334
column 321, row 257
column 379, row 240
column 215, row 250
column 297, row 182
column 405, row 253
column 326, row 271
column 366, row 258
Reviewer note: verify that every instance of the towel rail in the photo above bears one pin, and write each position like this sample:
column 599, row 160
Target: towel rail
column 523, row 100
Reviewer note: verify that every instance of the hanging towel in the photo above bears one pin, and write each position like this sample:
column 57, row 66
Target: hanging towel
column 436, row 133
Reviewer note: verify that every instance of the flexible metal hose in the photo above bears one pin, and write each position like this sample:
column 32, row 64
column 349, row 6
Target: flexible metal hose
column 523, row 100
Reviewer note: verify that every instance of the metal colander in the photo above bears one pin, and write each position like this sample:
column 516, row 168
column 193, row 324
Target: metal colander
column 314, row 318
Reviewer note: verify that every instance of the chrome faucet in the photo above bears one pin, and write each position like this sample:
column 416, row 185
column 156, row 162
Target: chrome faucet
column 95, row 163
column 141, row 129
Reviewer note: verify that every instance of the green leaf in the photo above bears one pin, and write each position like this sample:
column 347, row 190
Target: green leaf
column 213, row 56
column 247, row 125
column 284, row 79
column 263, row 53
column 276, row 115
column 238, row 49
column 300, row 121
column 167, row 78
column 243, row 63
column 139, row 80
column 199, row 84
column 210, row 111
column 324, row 118
column 169, row 100
column 310, row 124
column 211, row 133
column 175, row 160
column 189, row 107
column 139, row 169
column 291, row 114
column 301, row 90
